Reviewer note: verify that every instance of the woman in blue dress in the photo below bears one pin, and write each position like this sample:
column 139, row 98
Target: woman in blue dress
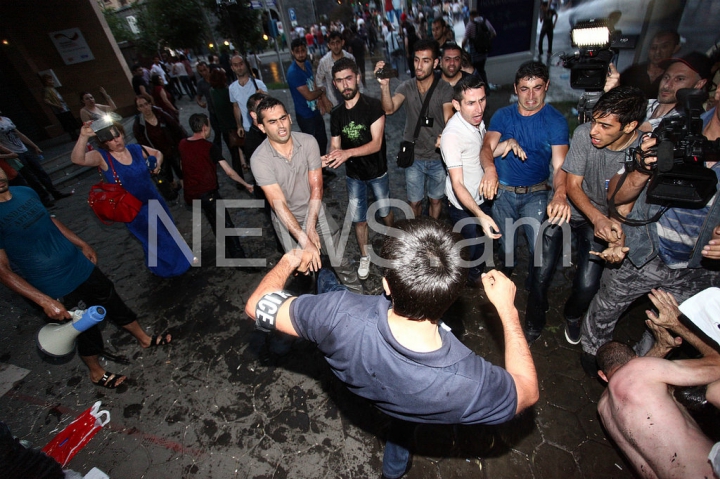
column 169, row 255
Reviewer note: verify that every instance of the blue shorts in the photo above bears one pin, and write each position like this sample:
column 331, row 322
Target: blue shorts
column 357, row 196
column 425, row 176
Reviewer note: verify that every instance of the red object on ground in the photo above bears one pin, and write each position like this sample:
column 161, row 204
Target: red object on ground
column 76, row 435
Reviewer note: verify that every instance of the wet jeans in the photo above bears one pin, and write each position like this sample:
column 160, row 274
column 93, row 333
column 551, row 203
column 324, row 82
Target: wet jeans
column 619, row 287
column 471, row 231
column 587, row 276
column 528, row 210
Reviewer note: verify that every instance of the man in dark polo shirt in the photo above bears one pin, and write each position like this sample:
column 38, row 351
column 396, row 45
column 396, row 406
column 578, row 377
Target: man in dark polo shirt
column 357, row 127
column 200, row 159
column 392, row 349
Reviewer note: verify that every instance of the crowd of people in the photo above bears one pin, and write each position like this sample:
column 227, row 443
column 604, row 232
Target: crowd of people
column 521, row 173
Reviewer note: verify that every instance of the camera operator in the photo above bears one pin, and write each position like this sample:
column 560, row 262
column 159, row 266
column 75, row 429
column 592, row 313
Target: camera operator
column 675, row 252
column 690, row 71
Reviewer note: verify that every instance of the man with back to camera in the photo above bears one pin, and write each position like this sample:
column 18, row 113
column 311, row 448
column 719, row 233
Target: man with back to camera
column 200, row 159
column 476, row 26
column 358, row 141
column 309, row 98
column 537, row 138
column 324, row 75
column 596, row 153
column 406, row 364
column 288, row 168
column 49, row 265
column 647, row 75
column 639, row 411
column 426, row 176
column 460, row 146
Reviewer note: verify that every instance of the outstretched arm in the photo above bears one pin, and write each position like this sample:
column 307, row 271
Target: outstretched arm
column 518, row 361
column 295, row 260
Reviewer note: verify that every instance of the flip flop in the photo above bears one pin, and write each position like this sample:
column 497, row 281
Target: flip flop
column 109, row 380
column 159, row 340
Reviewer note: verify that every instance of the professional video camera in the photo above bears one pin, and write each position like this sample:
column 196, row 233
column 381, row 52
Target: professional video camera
column 679, row 177
column 598, row 44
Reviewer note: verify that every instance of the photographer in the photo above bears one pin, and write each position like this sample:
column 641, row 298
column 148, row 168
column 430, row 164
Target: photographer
column 678, row 251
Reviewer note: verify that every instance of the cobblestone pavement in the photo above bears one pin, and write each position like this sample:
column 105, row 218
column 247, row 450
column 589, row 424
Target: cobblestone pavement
column 226, row 401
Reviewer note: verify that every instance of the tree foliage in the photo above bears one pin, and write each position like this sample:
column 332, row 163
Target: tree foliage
column 237, row 22
column 172, row 23
column 118, row 26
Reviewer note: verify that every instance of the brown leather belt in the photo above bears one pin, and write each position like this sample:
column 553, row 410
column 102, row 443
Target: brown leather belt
column 521, row 190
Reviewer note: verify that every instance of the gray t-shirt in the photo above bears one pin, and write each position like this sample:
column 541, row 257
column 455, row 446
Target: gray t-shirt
column 425, row 144
column 269, row 168
column 596, row 165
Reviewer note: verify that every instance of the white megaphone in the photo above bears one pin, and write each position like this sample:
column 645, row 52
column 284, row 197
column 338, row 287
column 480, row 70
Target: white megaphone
column 58, row 340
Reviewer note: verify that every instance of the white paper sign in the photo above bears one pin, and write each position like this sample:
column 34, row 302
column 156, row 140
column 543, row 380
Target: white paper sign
column 71, row 46
column 703, row 310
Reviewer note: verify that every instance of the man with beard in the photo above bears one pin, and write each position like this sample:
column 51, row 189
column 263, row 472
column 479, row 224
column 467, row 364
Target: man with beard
column 309, row 98
column 647, row 75
column 287, row 166
column 426, row 176
column 460, row 147
column 358, row 141
column 690, row 71
column 450, row 61
column 324, row 76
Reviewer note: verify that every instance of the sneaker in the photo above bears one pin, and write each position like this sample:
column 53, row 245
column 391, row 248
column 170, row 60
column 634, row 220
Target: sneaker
column 572, row 331
column 364, row 268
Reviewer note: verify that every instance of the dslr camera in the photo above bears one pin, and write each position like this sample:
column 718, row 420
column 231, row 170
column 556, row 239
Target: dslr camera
column 679, row 177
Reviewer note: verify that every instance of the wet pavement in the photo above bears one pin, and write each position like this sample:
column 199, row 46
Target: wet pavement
column 225, row 401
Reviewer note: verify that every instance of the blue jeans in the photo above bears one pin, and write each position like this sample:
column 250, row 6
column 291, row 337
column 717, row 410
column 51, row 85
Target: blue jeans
column 425, row 176
column 397, row 448
column 528, row 207
column 315, row 126
column 471, row 231
column 327, row 282
column 357, row 196
column 585, row 283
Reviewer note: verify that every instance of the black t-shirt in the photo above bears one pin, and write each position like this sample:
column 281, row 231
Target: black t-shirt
column 253, row 138
column 353, row 128
column 637, row 76
column 138, row 81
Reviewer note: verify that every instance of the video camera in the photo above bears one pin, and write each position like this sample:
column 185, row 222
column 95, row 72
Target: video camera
column 679, row 176
column 598, row 43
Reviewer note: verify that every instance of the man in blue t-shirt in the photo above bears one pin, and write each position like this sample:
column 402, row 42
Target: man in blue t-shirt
column 42, row 260
column 517, row 178
column 309, row 99
column 393, row 349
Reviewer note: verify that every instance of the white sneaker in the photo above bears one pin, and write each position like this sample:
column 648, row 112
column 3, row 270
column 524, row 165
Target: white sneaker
column 364, row 268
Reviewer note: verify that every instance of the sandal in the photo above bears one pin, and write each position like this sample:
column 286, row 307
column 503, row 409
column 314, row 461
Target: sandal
column 109, row 380
column 159, row 340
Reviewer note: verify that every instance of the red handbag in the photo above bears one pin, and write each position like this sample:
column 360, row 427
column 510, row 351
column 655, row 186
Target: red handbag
column 77, row 434
column 111, row 201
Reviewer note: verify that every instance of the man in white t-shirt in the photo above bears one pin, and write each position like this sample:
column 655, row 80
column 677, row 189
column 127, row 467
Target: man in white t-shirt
column 460, row 146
